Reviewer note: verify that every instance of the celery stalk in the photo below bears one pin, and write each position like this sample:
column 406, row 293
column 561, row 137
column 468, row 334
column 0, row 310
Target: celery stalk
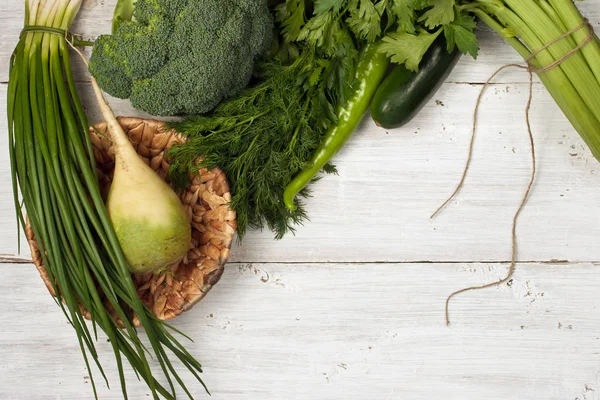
column 551, row 13
column 575, row 67
column 572, row 84
column 525, row 53
column 572, row 18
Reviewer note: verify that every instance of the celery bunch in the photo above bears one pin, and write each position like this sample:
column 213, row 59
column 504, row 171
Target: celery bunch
column 574, row 83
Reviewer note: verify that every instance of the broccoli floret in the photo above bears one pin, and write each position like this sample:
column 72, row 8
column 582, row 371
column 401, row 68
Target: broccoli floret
column 183, row 56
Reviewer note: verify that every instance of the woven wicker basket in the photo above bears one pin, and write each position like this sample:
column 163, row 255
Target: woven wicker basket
column 207, row 205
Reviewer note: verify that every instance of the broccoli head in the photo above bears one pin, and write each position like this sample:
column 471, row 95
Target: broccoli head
column 183, row 56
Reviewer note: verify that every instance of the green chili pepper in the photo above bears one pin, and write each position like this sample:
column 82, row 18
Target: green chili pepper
column 370, row 71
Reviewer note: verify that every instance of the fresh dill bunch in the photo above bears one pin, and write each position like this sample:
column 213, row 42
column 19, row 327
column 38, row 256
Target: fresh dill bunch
column 263, row 137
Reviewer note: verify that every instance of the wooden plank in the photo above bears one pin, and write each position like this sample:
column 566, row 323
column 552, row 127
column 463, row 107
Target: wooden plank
column 343, row 331
column 95, row 19
column 378, row 208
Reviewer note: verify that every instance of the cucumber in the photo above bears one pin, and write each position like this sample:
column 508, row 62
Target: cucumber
column 404, row 93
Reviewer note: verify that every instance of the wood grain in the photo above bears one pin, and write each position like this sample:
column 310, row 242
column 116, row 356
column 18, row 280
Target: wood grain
column 343, row 331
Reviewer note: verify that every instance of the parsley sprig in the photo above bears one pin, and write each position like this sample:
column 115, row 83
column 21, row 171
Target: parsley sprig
column 407, row 27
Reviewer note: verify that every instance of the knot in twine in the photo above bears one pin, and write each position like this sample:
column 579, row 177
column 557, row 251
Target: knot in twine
column 528, row 67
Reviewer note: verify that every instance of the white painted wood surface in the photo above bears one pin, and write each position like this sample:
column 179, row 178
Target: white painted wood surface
column 353, row 304
column 344, row 331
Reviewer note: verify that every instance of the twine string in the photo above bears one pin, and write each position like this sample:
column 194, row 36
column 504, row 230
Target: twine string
column 530, row 69
column 585, row 24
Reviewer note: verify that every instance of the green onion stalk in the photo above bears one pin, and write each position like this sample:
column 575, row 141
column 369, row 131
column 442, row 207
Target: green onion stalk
column 558, row 43
column 53, row 168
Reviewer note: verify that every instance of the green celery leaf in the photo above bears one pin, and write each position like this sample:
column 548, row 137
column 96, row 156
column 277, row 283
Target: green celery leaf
column 316, row 30
column 290, row 16
column 336, row 33
column 384, row 7
column 460, row 33
column 439, row 12
column 322, row 6
column 364, row 20
column 323, row 31
column 315, row 76
column 407, row 48
column 403, row 11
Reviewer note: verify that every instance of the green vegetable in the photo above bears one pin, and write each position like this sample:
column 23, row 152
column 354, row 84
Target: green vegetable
column 404, row 31
column 370, row 71
column 575, row 82
column 183, row 56
column 149, row 220
column 53, row 168
column 263, row 137
column 406, row 27
column 403, row 93
column 123, row 13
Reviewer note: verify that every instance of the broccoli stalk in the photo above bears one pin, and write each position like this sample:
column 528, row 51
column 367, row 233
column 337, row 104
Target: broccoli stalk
column 123, row 13
column 177, row 57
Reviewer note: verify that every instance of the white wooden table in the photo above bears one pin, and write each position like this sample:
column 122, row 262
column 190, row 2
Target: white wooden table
column 352, row 307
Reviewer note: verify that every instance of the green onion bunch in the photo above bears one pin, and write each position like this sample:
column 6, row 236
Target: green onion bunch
column 53, row 167
column 569, row 60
